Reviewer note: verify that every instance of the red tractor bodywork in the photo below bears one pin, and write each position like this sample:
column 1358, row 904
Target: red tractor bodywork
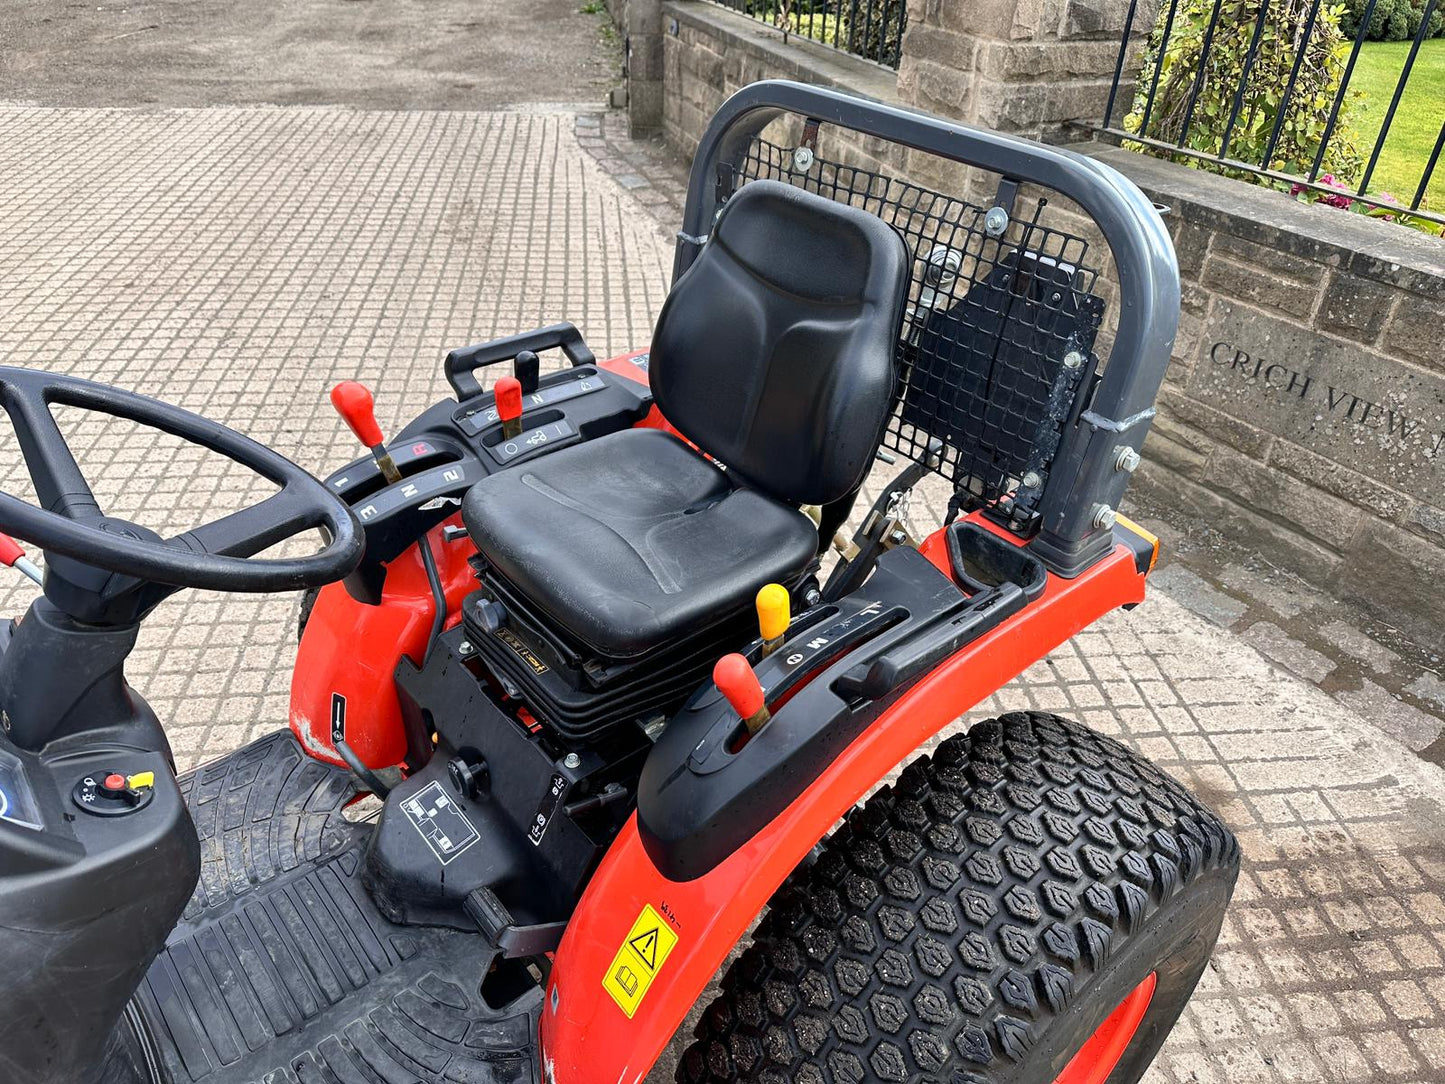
column 344, row 683
column 586, row 1036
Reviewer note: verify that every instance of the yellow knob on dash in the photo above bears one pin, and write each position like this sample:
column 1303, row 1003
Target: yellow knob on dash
column 141, row 780
column 774, row 611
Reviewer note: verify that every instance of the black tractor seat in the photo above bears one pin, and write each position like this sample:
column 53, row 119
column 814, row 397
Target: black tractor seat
column 633, row 539
column 774, row 354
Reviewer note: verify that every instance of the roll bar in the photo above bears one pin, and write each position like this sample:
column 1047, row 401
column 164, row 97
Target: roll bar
column 1085, row 482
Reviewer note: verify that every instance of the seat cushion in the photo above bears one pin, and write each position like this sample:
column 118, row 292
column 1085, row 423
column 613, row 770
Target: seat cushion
column 633, row 539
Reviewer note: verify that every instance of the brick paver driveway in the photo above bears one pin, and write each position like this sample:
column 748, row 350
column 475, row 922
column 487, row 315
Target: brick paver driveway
column 239, row 261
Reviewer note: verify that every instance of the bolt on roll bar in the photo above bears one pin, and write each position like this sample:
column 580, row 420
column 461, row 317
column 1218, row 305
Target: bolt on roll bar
column 1085, row 477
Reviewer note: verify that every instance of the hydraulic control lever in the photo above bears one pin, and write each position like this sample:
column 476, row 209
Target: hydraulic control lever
column 734, row 677
column 774, row 615
column 353, row 402
column 527, row 368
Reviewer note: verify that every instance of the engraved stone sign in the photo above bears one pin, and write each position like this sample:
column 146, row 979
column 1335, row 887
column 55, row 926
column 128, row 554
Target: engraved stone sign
column 1377, row 416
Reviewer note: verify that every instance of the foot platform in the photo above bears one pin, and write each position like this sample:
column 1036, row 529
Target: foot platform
column 282, row 971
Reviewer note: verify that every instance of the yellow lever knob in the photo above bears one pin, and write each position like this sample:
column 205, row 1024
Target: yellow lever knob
column 774, row 611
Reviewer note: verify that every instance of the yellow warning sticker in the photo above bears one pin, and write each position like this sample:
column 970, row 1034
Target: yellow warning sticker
column 643, row 952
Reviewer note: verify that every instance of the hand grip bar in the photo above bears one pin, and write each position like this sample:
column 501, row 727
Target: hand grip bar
column 463, row 361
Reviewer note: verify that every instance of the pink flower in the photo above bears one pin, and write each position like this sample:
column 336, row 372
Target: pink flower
column 1328, row 180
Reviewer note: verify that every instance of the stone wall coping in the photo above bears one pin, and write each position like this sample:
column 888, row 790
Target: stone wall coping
column 1365, row 246
column 801, row 59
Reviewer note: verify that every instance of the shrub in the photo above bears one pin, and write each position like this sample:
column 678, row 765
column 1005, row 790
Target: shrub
column 874, row 31
column 829, row 29
column 1178, row 60
column 1392, row 20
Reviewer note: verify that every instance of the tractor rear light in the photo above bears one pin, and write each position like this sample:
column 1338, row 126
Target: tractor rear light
column 1144, row 544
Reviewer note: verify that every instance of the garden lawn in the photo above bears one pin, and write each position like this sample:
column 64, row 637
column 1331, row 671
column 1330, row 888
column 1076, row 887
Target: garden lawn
column 1417, row 120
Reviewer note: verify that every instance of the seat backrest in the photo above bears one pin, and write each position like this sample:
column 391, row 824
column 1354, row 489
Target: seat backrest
column 775, row 351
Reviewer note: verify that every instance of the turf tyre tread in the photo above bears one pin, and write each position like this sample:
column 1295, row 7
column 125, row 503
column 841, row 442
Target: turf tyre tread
column 954, row 918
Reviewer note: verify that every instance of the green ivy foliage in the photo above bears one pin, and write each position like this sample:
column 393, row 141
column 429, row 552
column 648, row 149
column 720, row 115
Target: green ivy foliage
column 1306, row 115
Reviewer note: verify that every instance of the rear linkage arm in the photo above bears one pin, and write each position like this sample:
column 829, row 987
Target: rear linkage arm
column 882, row 527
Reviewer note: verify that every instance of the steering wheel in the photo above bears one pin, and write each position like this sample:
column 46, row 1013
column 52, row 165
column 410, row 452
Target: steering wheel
column 69, row 521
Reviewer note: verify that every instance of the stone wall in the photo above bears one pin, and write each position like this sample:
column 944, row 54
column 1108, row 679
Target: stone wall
column 1305, row 409
column 1304, row 413
column 1040, row 68
column 710, row 52
column 639, row 22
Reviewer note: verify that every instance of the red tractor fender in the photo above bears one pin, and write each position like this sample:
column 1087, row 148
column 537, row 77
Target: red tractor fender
column 655, row 944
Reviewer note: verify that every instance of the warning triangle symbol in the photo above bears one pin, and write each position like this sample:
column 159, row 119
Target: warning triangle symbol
column 645, row 945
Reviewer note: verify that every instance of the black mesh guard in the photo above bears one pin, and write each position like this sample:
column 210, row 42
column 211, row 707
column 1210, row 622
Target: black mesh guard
column 996, row 349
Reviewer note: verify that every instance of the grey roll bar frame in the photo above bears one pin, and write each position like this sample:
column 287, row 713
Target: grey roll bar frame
column 1086, row 480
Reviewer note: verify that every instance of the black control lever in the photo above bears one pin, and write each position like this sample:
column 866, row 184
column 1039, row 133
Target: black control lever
column 1001, row 578
column 527, row 368
column 878, row 677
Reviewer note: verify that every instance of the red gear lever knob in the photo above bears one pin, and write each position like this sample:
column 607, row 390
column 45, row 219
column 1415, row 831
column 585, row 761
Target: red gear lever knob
column 734, row 677
column 354, row 403
column 10, row 551
column 508, row 391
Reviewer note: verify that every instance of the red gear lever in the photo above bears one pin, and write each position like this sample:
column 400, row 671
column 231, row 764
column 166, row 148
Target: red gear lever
column 508, row 393
column 734, row 677
column 354, row 403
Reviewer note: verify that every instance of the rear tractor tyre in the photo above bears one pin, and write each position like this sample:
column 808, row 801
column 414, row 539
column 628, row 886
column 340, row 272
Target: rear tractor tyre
column 308, row 603
column 1033, row 903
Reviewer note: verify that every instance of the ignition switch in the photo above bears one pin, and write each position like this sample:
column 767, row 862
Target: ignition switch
column 113, row 794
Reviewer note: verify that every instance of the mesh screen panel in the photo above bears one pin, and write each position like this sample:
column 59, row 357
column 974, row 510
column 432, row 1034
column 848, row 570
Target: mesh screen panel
column 996, row 349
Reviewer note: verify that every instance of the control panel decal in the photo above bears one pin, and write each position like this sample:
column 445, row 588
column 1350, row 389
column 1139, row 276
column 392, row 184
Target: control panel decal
column 473, row 422
column 547, row 810
column 521, row 650
column 440, row 821
column 530, row 440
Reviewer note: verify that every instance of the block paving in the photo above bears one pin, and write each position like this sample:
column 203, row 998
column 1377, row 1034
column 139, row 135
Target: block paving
column 239, row 261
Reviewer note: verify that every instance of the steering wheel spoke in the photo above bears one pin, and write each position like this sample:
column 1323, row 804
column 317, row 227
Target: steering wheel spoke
column 59, row 483
column 248, row 531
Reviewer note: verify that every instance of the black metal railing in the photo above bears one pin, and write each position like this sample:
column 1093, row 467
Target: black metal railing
column 1277, row 90
column 871, row 29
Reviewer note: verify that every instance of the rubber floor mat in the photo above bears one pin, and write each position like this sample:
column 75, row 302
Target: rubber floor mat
column 283, row 971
